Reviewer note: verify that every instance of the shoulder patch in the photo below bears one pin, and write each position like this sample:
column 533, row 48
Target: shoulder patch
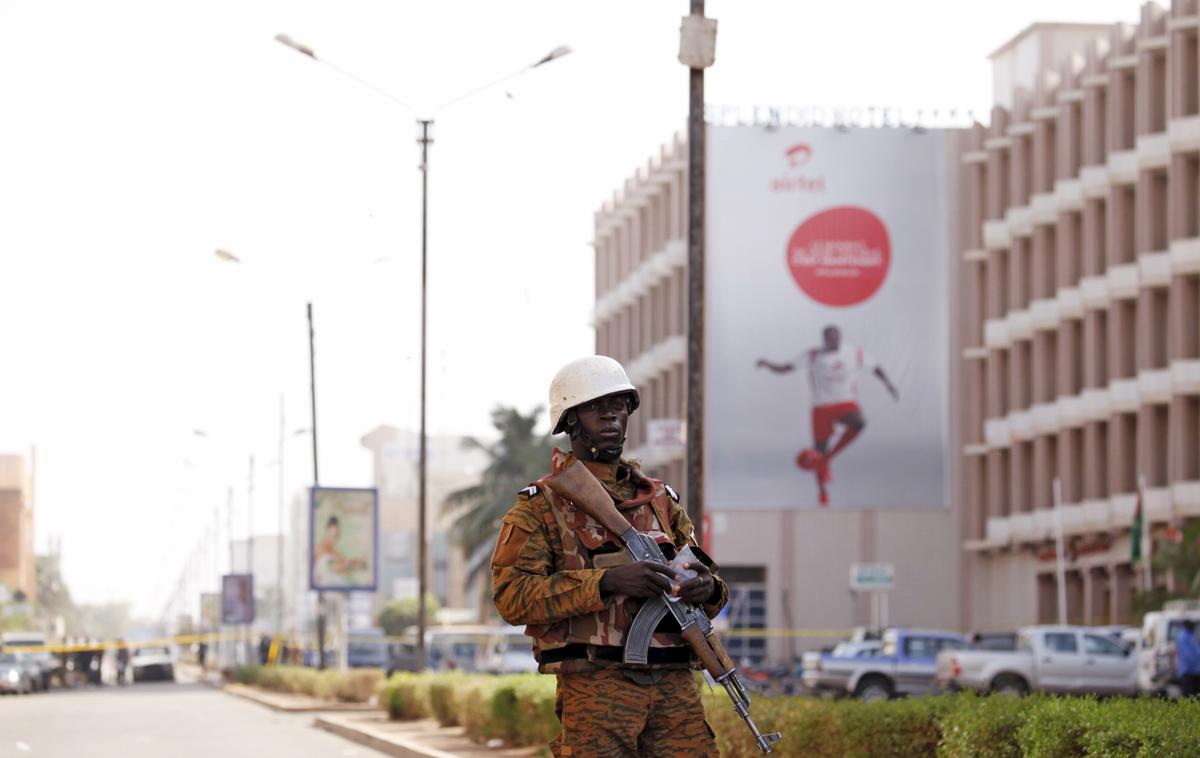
column 670, row 491
column 529, row 491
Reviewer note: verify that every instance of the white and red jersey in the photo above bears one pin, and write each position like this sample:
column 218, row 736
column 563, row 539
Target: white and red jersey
column 833, row 374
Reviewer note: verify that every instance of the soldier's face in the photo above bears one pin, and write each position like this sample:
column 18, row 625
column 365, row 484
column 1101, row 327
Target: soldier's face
column 605, row 419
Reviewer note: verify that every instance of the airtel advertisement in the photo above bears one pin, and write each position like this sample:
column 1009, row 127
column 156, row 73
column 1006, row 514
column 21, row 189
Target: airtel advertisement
column 827, row 353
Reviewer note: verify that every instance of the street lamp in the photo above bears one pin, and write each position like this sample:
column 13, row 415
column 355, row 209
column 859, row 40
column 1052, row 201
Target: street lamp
column 424, row 139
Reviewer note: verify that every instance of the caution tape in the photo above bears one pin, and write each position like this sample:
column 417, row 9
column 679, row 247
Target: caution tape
column 794, row 633
column 306, row 642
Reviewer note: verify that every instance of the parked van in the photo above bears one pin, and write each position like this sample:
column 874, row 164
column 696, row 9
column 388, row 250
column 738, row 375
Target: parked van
column 1156, row 648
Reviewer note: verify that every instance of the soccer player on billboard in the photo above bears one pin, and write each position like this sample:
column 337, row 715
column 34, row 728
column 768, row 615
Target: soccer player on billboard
column 833, row 376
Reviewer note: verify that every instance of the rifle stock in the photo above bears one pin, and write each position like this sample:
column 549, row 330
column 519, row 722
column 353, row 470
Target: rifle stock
column 585, row 491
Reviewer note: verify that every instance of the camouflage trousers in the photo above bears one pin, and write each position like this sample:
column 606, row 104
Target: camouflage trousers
column 605, row 714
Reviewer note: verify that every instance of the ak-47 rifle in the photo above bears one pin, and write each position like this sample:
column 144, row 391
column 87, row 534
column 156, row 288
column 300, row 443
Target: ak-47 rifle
column 577, row 484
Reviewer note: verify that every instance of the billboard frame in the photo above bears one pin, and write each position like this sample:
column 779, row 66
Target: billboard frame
column 312, row 535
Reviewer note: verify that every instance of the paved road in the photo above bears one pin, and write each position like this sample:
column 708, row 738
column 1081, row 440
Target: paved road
column 159, row 720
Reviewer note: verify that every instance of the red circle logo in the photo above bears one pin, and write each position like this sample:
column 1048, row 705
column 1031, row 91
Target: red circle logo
column 840, row 256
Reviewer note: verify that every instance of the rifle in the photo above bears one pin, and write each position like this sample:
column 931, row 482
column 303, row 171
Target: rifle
column 577, row 484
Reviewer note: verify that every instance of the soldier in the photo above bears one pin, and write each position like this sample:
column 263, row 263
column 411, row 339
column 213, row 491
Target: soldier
column 566, row 578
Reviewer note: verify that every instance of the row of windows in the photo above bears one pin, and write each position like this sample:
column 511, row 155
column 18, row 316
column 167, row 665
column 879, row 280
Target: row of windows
column 1107, row 232
column 658, row 314
column 1093, row 462
column 1105, row 345
column 646, row 230
column 1086, row 130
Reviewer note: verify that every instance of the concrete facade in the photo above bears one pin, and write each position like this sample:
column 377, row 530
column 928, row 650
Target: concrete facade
column 1081, row 313
column 18, row 564
column 450, row 467
column 789, row 568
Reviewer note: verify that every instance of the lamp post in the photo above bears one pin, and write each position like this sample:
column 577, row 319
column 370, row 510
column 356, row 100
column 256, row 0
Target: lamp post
column 424, row 139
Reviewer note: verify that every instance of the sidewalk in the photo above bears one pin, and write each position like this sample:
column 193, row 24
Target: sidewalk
column 413, row 739
column 369, row 726
column 287, row 702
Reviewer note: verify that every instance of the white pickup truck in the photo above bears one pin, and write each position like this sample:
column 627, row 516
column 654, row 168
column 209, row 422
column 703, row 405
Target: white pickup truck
column 1062, row 659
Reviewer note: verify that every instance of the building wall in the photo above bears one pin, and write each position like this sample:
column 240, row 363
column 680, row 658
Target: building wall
column 799, row 559
column 1080, row 311
column 450, row 467
column 18, row 565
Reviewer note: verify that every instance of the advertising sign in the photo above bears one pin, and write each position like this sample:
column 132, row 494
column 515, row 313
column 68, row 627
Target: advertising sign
column 827, row 352
column 343, row 538
column 237, row 599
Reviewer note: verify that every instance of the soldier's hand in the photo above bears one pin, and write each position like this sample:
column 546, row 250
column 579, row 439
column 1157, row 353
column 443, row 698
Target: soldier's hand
column 697, row 589
column 640, row 579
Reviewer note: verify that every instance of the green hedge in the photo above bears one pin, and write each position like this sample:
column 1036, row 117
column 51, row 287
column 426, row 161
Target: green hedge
column 519, row 709
column 353, row 686
column 965, row 726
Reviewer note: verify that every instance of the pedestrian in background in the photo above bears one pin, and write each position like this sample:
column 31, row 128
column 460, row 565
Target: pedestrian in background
column 122, row 663
column 1187, row 659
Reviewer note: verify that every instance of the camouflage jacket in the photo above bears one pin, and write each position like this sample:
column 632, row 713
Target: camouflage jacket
column 550, row 557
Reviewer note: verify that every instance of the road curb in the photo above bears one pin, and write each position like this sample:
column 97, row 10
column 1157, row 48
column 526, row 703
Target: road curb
column 292, row 703
column 391, row 744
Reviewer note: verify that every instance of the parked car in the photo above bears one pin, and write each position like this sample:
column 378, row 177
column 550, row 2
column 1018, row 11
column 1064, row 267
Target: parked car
column 1061, row 659
column 47, row 665
column 367, row 648
column 508, row 651
column 152, row 663
column 904, row 665
column 14, row 675
column 816, row 678
column 1156, row 648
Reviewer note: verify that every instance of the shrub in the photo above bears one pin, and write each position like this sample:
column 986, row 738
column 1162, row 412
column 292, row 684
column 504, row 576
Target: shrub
column 443, row 697
column 537, row 723
column 244, row 674
column 1054, row 727
column 983, row 727
column 406, row 696
column 475, row 710
column 893, row 729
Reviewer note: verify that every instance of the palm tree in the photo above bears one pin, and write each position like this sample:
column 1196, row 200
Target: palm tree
column 1176, row 555
column 517, row 458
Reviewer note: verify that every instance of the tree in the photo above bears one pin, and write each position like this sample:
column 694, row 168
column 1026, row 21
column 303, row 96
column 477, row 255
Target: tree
column 398, row 615
column 1177, row 556
column 518, row 457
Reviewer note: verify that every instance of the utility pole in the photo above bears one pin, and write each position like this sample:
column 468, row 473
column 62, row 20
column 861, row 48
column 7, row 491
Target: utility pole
column 425, row 140
column 250, row 556
column 697, row 51
column 312, row 388
column 279, row 594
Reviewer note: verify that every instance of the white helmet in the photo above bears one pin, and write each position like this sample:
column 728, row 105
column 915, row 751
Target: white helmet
column 583, row 380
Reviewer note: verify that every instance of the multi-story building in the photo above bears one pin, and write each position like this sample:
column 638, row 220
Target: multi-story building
column 18, row 565
column 450, row 466
column 1081, row 313
column 789, row 567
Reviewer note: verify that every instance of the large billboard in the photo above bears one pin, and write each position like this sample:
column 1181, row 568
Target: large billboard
column 237, row 599
column 827, row 352
column 343, row 538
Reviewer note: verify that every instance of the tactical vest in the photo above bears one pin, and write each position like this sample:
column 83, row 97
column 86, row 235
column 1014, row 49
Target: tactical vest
column 593, row 639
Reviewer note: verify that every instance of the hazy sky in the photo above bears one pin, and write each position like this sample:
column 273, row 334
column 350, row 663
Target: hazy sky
column 137, row 137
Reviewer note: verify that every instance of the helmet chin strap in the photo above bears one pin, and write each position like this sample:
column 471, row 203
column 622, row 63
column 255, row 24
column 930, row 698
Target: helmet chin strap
column 608, row 454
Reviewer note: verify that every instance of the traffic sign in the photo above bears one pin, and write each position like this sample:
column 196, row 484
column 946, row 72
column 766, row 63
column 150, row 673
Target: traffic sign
column 872, row 576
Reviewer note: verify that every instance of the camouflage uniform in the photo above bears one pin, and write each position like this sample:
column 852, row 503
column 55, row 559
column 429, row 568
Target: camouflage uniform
column 546, row 572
